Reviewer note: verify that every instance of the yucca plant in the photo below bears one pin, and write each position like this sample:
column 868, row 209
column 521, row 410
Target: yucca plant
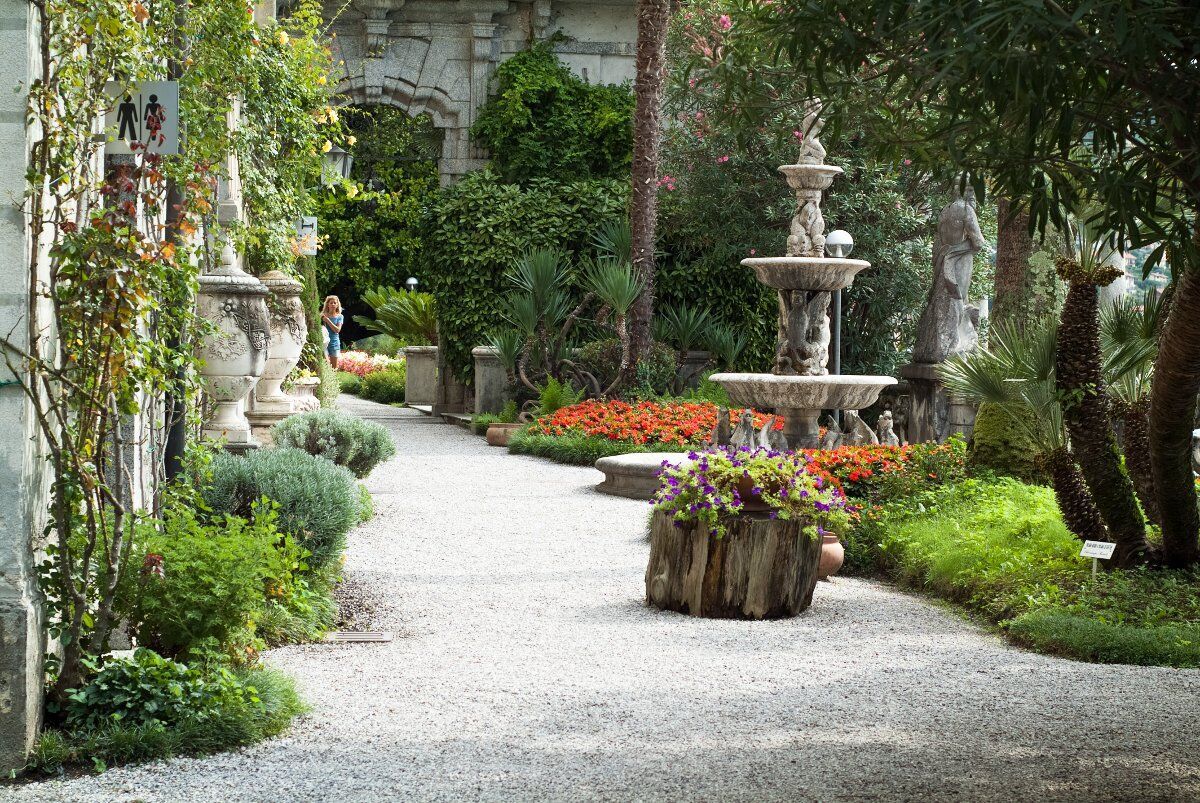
column 1015, row 373
column 726, row 345
column 1129, row 342
column 1079, row 377
column 612, row 282
column 409, row 317
column 683, row 326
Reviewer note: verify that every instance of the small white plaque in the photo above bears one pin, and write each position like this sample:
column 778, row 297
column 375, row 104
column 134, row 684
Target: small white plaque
column 1097, row 549
column 306, row 234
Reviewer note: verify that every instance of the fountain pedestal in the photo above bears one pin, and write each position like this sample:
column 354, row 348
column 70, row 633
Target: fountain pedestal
column 934, row 414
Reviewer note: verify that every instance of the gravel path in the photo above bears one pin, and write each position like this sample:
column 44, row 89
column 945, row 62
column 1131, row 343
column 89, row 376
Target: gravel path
column 526, row 668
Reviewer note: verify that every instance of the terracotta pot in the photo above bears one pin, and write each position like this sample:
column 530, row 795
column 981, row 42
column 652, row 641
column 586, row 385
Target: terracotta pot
column 751, row 502
column 833, row 555
column 498, row 434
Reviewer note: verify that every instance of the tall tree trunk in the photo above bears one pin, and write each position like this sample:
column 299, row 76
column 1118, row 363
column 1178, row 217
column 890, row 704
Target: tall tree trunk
column 1087, row 413
column 1074, row 500
column 1172, row 412
column 1135, row 444
column 652, row 19
column 1014, row 247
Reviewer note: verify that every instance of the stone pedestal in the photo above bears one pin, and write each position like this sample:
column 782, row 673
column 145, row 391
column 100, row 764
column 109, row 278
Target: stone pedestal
column 451, row 396
column 491, row 381
column 635, row 475
column 693, row 365
column 420, row 384
column 268, row 404
column 934, row 414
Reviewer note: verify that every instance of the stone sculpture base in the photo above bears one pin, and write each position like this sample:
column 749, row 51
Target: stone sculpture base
column 761, row 568
column 635, row 475
column 934, row 414
column 491, row 381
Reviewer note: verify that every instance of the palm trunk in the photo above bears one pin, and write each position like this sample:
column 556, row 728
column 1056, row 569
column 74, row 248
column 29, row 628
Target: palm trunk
column 1135, row 432
column 1086, row 411
column 652, row 19
column 1172, row 412
column 1075, row 501
column 1014, row 246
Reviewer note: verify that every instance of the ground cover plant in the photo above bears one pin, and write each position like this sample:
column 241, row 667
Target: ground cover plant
column 640, row 423
column 362, row 363
column 999, row 547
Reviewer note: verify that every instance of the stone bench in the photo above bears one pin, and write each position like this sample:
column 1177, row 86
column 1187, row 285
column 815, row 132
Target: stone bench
column 634, row 476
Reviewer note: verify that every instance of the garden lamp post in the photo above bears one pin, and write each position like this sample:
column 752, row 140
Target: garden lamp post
column 838, row 244
column 411, row 284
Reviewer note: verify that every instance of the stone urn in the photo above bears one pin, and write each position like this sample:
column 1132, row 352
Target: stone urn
column 833, row 555
column 304, row 394
column 420, row 383
column 234, row 353
column 289, row 332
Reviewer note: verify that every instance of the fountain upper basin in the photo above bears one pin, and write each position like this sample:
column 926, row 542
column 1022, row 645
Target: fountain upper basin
column 803, row 392
column 806, row 273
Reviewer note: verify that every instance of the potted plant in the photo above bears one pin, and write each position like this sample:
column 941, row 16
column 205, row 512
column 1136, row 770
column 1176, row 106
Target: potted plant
column 737, row 533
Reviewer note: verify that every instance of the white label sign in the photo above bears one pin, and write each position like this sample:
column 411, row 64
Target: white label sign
column 143, row 114
column 1097, row 549
column 306, row 236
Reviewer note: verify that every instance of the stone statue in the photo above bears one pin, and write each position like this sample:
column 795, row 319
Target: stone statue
column 812, row 152
column 945, row 327
column 721, row 432
column 885, row 433
column 856, row 432
column 771, row 438
column 744, row 434
column 803, row 344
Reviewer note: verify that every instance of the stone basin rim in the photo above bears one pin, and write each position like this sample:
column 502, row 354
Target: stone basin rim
column 828, row 380
column 806, row 262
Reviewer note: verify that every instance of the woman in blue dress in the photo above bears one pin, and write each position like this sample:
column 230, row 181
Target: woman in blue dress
column 331, row 319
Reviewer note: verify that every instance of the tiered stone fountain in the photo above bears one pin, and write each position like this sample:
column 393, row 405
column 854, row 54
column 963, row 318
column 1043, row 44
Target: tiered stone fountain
column 801, row 387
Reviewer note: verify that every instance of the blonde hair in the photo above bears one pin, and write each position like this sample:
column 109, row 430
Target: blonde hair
column 337, row 301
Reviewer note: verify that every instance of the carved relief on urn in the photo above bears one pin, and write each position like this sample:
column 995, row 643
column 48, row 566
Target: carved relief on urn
column 289, row 332
column 234, row 351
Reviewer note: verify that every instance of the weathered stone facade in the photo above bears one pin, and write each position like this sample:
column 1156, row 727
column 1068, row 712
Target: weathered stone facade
column 437, row 57
column 22, row 474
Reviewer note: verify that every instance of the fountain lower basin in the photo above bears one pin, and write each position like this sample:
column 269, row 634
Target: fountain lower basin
column 820, row 274
column 801, row 399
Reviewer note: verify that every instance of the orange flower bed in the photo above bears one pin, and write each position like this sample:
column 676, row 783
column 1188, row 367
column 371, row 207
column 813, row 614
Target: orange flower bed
column 673, row 423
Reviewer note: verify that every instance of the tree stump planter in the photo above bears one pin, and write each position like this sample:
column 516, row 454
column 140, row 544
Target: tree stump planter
column 762, row 568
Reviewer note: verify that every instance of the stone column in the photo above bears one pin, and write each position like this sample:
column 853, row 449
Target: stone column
column 23, row 488
column 491, row 381
column 421, row 370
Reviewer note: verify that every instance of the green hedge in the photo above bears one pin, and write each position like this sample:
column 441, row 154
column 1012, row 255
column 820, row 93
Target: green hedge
column 577, row 450
column 478, row 229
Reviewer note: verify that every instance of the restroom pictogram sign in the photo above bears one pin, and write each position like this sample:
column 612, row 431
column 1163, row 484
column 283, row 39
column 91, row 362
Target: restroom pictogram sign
column 142, row 118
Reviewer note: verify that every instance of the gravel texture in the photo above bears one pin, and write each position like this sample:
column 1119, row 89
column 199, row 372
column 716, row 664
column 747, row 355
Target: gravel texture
column 527, row 668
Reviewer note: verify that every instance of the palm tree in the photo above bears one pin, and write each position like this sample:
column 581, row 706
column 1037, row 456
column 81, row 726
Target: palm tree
column 1129, row 341
column 652, row 19
column 409, row 317
column 1016, row 375
column 1079, row 377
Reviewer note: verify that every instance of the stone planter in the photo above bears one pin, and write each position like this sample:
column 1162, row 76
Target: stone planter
column 420, row 384
column 498, row 434
column 304, row 395
column 762, row 568
column 491, row 381
column 288, row 334
column 235, row 354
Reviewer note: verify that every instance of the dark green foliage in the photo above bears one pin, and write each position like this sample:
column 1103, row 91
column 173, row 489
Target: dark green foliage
column 576, row 450
column 480, row 227
column 195, row 588
column 544, row 121
column 556, row 395
column 998, row 446
column 317, row 500
column 305, row 613
column 149, row 688
column 344, row 439
column 405, row 316
column 254, row 705
column 379, row 344
column 386, row 386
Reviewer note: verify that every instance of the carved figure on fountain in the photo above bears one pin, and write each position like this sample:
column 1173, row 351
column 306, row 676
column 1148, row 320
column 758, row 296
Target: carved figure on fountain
column 803, row 348
column 946, row 327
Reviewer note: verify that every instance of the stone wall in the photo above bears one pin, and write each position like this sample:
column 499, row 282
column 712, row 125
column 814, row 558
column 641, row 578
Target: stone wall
column 437, row 57
column 22, row 478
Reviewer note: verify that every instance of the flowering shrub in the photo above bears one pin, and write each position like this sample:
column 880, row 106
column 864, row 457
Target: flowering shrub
column 671, row 423
column 710, row 485
column 361, row 364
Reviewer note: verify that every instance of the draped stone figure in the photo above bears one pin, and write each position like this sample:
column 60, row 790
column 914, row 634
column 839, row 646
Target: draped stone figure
column 946, row 326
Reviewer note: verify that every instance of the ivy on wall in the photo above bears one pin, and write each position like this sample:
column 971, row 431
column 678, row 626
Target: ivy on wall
column 477, row 230
column 544, row 121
